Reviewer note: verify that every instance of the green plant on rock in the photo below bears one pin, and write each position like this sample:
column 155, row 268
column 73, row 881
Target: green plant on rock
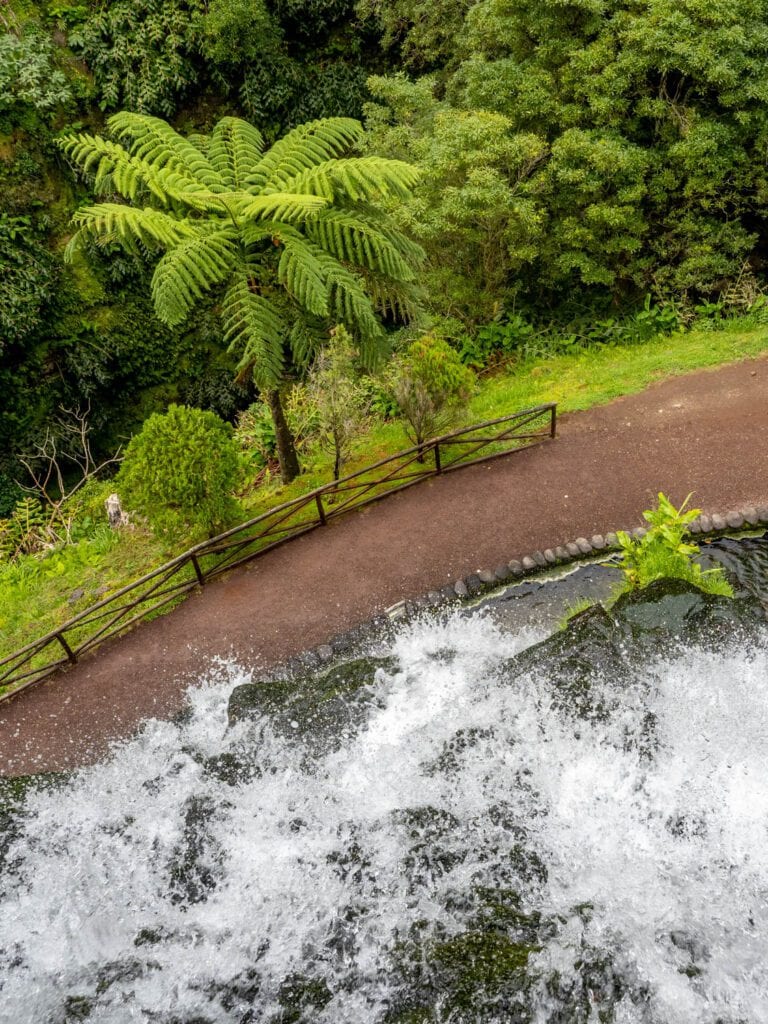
column 430, row 385
column 180, row 470
column 666, row 552
column 288, row 240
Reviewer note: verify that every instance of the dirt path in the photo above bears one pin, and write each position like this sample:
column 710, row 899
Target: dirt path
column 706, row 433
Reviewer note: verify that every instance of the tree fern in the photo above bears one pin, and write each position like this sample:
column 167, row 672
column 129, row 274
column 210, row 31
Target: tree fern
column 290, row 238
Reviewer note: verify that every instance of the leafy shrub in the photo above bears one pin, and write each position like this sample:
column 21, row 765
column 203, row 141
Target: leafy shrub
column 180, row 471
column 28, row 75
column 338, row 399
column 496, row 341
column 665, row 553
column 430, row 385
column 141, row 52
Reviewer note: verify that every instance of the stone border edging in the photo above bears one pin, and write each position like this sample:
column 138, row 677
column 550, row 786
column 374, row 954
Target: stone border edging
column 572, row 551
column 485, row 580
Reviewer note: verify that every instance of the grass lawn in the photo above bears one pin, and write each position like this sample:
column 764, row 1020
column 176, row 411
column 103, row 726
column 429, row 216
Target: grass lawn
column 37, row 595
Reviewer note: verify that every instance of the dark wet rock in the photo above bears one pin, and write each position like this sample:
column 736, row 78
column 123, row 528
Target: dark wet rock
column 301, row 999
column 460, row 589
column 502, row 573
column 599, row 644
column 486, row 576
column 473, row 583
column 196, row 863
column 435, row 598
column 269, row 696
column 673, row 609
column 539, row 559
column 516, row 567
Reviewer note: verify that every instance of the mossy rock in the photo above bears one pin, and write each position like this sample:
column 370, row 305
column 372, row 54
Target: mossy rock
column 269, row 696
column 598, row 644
column 675, row 610
column 474, row 977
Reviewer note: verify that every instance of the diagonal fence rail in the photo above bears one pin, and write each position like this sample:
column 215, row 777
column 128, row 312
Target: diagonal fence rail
column 166, row 585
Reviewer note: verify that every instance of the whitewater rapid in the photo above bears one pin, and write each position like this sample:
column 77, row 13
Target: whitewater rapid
column 152, row 888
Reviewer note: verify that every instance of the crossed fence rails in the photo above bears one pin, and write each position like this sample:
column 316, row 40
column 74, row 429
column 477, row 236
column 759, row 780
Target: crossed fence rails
column 212, row 558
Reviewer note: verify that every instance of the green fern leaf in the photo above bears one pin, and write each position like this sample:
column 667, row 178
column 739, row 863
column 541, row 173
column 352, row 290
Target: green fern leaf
column 301, row 274
column 348, row 238
column 153, row 140
column 112, row 222
column 189, row 270
column 356, row 179
column 254, row 328
column 282, row 206
column 303, row 148
column 235, row 150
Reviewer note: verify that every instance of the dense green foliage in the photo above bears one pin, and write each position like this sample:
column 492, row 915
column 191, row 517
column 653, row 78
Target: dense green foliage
column 180, row 470
column 613, row 146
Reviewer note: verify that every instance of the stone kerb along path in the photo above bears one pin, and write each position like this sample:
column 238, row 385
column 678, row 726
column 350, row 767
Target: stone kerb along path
column 706, row 433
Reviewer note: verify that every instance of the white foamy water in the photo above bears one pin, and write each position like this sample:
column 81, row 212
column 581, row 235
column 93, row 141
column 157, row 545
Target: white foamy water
column 638, row 842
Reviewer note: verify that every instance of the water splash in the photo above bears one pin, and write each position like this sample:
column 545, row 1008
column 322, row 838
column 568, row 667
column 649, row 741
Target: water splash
column 472, row 852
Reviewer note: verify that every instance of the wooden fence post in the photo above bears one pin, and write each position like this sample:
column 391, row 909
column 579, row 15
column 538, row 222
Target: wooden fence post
column 198, row 570
column 553, row 422
column 320, row 510
column 438, row 466
column 67, row 649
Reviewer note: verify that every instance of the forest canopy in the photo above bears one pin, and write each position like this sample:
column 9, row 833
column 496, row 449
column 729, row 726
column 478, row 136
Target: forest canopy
column 576, row 160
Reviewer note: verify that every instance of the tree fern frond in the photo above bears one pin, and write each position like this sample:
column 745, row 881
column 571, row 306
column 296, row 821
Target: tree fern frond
column 400, row 300
column 112, row 222
column 356, row 179
column 236, row 148
column 303, row 148
column 300, row 272
column 306, row 339
column 281, row 206
column 153, row 140
column 189, row 270
column 115, row 169
column 345, row 236
column 351, row 305
column 254, row 329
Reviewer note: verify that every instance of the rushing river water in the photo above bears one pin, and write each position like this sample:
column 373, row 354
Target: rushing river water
column 464, row 843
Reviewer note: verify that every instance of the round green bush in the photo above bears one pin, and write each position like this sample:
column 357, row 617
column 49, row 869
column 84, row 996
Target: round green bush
column 180, row 470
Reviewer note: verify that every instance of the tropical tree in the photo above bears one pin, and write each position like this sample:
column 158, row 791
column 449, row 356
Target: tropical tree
column 287, row 240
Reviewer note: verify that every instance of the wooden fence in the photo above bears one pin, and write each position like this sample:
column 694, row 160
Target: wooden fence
column 207, row 561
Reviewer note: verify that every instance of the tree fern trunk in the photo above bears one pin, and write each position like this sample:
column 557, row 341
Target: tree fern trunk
column 286, row 447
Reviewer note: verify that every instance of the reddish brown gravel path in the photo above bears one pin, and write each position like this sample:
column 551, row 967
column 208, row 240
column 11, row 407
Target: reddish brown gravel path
column 706, row 433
